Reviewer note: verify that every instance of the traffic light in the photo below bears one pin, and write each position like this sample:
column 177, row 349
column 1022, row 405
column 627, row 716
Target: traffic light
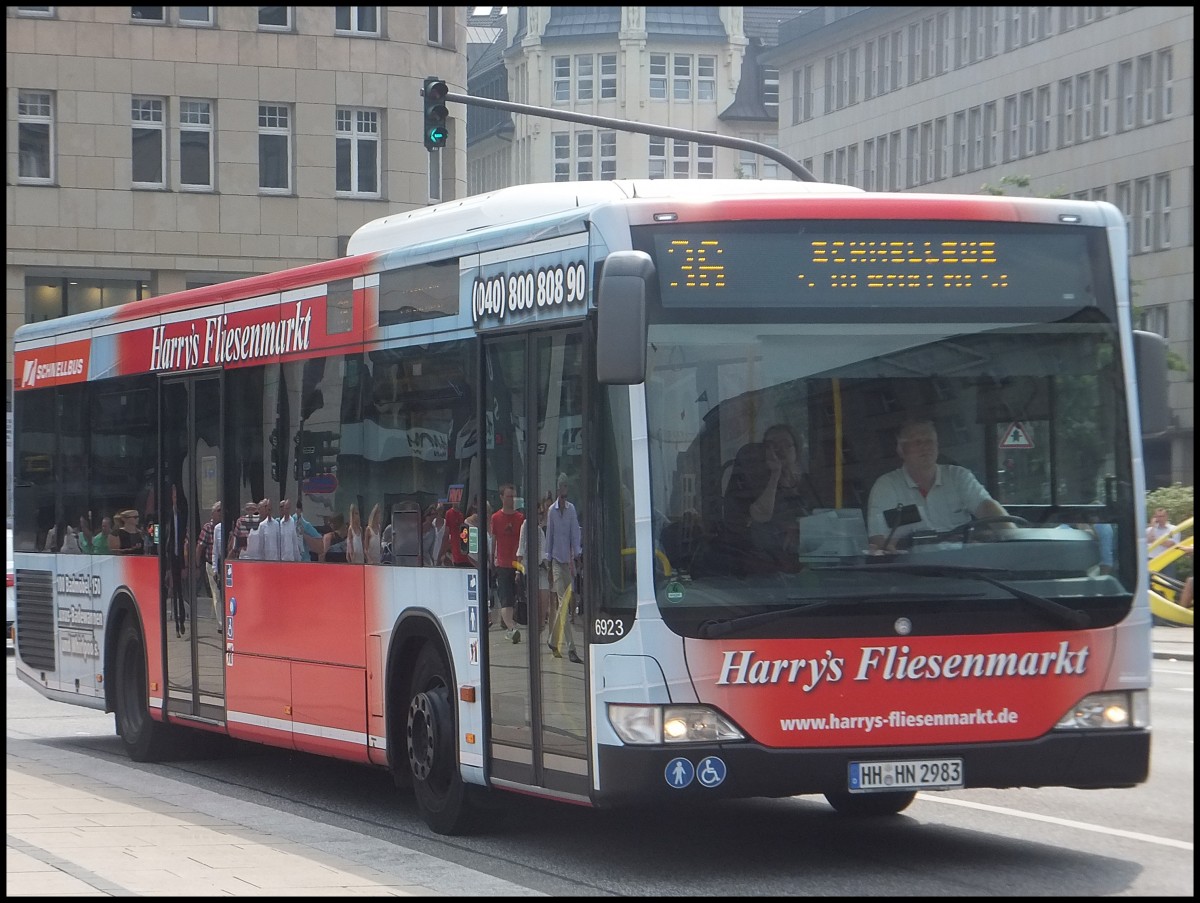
column 436, row 114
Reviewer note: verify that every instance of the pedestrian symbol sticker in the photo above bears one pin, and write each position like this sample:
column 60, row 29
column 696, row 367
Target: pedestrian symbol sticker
column 710, row 772
column 679, row 773
column 1016, row 436
column 472, row 587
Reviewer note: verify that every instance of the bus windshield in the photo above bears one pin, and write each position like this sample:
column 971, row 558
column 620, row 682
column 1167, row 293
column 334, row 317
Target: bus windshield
column 788, row 490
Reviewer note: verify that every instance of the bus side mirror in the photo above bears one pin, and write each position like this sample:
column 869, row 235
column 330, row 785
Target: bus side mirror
column 1150, row 365
column 626, row 280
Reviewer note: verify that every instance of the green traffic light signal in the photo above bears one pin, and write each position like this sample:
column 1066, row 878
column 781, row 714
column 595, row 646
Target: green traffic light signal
column 436, row 113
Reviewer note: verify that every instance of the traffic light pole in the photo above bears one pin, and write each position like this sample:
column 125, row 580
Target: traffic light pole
column 626, row 125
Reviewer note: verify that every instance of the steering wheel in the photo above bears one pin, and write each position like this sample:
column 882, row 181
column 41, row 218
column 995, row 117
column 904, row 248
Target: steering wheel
column 986, row 523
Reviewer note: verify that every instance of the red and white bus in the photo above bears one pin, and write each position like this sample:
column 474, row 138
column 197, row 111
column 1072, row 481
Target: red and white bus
column 633, row 341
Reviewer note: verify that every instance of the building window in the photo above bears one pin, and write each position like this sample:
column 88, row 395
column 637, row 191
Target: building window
column 562, row 79
column 960, row 143
column 562, row 156
column 1166, row 78
column 657, row 162
column 608, row 76
column 35, row 137
column 584, row 77
column 682, row 81
column 706, row 82
column 196, row 16
column 706, row 161
column 1103, row 104
column 991, row 135
column 275, row 148
column 1087, row 105
column 148, row 13
column 942, row 140
column 585, row 161
column 581, row 160
column 360, row 21
column 608, row 156
column 149, row 154
column 51, row 297
column 884, row 66
column 357, row 151
column 975, row 150
column 1066, row 112
column 1043, row 119
column 1162, row 204
column 195, row 145
column 35, row 12
column 658, row 76
column 275, row 18
column 806, row 94
column 1012, row 129
column 434, row 18
column 1127, row 94
column 1145, row 88
column 1144, row 216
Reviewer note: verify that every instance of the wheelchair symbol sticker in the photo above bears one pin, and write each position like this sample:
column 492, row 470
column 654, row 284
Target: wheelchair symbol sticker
column 679, row 773
column 710, row 772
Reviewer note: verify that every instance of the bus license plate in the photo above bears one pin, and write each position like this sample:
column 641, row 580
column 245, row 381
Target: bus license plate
column 913, row 774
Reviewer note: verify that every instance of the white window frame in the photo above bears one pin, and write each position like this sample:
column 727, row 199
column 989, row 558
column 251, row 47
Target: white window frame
column 681, row 159
column 1124, row 202
column 658, row 76
column 1166, row 82
column 357, row 127
column 608, row 76
column 208, row 21
column 1066, row 112
column 1145, row 88
column 942, row 142
column 975, row 150
column 560, row 67
column 928, row 153
column 1043, row 116
column 960, row 142
column 912, row 142
column 608, row 155
column 585, row 76
column 1162, row 207
column 1084, row 94
column 160, row 19
column 656, row 166
column 561, row 150
column 706, row 80
column 870, row 70
column 1103, row 103
column 585, row 156
column 1012, row 129
column 356, row 28
column 148, row 115
column 681, row 83
column 1143, row 202
column 1127, row 113
column 884, row 67
column 35, row 12
column 271, row 26
column 991, row 135
column 868, row 177
column 35, row 111
column 269, row 117
column 196, row 119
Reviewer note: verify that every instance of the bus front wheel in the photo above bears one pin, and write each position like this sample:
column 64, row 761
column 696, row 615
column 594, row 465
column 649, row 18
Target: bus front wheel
column 864, row 804
column 446, row 802
column 144, row 739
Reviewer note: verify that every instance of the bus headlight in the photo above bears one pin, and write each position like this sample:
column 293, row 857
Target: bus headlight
column 646, row 724
column 1100, row 711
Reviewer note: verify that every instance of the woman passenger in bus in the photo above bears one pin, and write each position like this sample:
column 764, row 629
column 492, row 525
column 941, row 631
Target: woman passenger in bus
column 766, row 495
column 128, row 533
column 355, row 553
column 373, row 536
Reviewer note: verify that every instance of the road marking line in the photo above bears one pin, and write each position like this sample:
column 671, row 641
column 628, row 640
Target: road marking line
column 1083, row 826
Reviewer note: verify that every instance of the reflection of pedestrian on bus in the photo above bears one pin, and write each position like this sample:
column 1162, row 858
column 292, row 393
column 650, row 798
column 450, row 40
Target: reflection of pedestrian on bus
column 505, row 538
column 204, row 551
column 175, row 542
column 564, row 545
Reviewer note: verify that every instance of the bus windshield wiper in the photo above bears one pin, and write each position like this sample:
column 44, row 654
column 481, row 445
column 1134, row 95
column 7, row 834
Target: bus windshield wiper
column 719, row 627
column 1055, row 611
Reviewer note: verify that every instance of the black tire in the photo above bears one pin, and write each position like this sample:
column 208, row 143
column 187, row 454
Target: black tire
column 145, row 739
column 448, row 805
column 870, row 804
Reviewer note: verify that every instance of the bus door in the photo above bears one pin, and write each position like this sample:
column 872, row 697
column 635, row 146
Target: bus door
column 534, row 408
column 190, row 473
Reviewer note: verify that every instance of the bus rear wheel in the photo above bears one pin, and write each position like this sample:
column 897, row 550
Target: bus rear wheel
column 866, row 804
column 144, row 739
column 448, row 805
